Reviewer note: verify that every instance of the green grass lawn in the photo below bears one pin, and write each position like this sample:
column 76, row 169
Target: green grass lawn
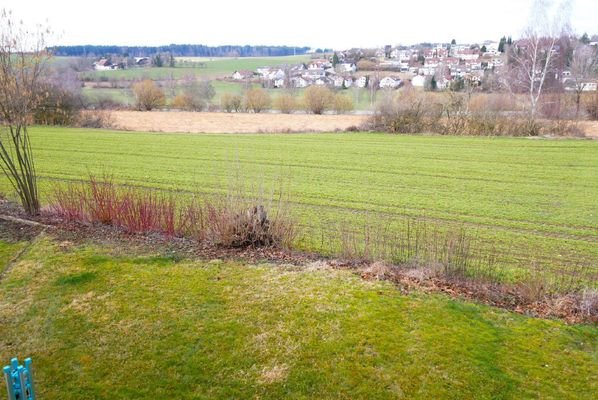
column 8, row 250
column 100, row 323
column 533, row 201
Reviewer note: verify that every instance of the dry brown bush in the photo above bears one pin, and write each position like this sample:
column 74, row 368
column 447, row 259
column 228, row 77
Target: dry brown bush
column 590, row 103
column 231, row 102
column 286, row 103
column 342, row 104
column 317, row 99
column 492, row 102
column 95, row 119
column 148, row 95
column 257, row 100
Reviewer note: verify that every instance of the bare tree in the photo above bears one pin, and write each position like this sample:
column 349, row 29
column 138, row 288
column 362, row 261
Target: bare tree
column 584, row 67
column 533, row 57
column 22, row 61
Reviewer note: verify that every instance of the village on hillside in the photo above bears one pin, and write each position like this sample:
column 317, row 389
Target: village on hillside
column 437, row 67
column 431, row 66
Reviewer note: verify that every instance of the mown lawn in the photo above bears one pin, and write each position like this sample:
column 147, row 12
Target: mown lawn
column 102, row 324
column 533, row 202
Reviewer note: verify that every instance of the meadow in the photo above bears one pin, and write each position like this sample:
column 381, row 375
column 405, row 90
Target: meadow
column 530, row 202
column 210, row 68
column 111, row 322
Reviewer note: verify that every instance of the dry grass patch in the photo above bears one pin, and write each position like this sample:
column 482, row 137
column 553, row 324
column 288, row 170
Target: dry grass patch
column 209, row 122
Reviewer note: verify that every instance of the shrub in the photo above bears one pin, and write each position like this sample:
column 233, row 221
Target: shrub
column 196, row 96
column 342, row 103
column 317, row 99
column 492, row 102
column 188, row 102
column 286, row 103
column 591, row 106
column 59, row 106
column 95, row 119
column 257, row 100
column 231, row 102
column 236, row 220
column 409, row 112
column 148, row 95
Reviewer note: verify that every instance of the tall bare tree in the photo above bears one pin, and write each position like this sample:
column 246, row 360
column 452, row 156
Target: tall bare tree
column 22, row 61
column 533, row 57
column 584, row 67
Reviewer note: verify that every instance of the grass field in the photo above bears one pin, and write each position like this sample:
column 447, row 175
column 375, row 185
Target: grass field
column 102, row 323
column 213, row 68
column 532, row 201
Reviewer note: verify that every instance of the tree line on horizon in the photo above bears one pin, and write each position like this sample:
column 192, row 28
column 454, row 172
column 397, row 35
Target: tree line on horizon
column 179, row 50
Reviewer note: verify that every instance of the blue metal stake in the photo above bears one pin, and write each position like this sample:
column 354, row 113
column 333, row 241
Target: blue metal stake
column 19, row 380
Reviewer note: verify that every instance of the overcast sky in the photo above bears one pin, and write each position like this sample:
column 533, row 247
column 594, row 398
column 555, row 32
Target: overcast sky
column 314, row 23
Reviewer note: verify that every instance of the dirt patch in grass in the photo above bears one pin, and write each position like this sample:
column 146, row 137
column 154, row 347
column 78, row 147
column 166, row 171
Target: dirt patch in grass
column 210, row 122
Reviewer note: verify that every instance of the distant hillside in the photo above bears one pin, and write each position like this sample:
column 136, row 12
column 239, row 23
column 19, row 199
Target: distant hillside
column 180, row 50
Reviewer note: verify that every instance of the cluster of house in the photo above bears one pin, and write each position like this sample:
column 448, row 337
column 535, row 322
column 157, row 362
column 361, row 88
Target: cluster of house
column 107, row 64
column 320, row 72
column 442, row 61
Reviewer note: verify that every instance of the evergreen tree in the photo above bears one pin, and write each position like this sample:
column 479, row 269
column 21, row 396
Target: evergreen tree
column 335, row 60
column 157, row 61
column 585, row 39
column 483, row 49
column 453, row 42
column 501, row 44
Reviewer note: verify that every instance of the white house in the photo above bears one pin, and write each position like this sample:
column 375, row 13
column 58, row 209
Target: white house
column 241, row 75
column 314, row 73
column 427, row 70
column 390, row 82
column 346, row 67
column 279, row 83
column 104, row 65
column 263, row 70
column 469, row 54
column 319, row 64
column 276, row 74
column 299, row 82
column 586, row 86
column 361, row 82
column 418, row 81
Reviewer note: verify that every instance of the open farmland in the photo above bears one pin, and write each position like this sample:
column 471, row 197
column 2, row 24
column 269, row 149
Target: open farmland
column 532, row 201
column 207, row 68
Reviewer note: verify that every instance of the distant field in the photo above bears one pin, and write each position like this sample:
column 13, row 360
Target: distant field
column 212, row 68
column 532, row 200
